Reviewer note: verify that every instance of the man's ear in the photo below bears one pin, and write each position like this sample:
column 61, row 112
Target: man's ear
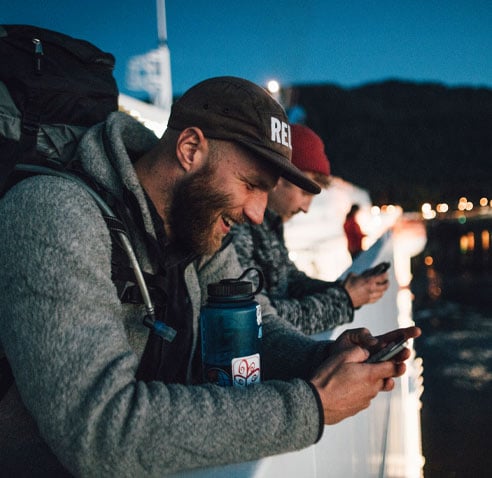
column 281, row 183
column 191, row 148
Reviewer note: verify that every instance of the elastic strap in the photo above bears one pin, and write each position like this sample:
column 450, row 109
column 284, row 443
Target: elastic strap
column 6, row 377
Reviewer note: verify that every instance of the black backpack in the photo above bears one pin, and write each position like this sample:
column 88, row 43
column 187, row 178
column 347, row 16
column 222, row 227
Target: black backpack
column 52, row 89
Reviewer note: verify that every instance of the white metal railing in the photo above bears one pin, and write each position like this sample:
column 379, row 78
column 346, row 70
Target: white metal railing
column 385, row 439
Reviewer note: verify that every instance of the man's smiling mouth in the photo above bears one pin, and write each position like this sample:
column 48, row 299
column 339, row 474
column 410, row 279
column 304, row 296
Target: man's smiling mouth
column 228, row 221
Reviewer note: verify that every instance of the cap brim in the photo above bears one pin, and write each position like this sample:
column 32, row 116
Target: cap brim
column 285, row 168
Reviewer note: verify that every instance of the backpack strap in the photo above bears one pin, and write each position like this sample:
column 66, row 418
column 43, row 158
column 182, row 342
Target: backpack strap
column 10, row 151
column 31, row 119
column 159, row 330
column 116, row 227
column 6, row 377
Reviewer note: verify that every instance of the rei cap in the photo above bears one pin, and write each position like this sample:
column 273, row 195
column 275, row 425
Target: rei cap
column 235, row 109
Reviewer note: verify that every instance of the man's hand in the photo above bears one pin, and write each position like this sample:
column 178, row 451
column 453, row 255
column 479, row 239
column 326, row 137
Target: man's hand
column 363, row 338
column 346, row 385
column 366, row 290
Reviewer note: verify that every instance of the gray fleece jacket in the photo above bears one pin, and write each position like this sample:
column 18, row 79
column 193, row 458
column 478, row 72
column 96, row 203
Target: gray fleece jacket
column 312, row 305
column 74, row 348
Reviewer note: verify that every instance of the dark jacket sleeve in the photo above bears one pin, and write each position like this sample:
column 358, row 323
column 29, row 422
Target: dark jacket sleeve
column 311, row 305
column 318, row 311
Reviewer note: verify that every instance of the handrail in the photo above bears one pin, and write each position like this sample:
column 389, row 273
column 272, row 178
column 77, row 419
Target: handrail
column 382, row 441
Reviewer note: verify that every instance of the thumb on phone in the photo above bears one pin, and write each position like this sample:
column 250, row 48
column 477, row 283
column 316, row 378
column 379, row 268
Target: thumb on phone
column 354, row 354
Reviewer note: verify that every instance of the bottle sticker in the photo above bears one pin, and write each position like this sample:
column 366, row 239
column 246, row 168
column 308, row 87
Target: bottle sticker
column 245, row 370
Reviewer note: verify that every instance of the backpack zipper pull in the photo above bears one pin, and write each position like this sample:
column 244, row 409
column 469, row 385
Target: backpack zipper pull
column 38, row 53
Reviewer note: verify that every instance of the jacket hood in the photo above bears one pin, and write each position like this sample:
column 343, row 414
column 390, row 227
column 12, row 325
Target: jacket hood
column 109, row 162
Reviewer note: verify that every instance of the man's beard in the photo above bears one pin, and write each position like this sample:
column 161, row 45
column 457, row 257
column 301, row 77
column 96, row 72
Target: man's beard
column 196, row 204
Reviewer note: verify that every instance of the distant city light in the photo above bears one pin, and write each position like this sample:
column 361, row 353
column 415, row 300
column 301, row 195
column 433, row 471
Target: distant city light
column 462, row 203
column 375, row 210
column 442, row 207
column 484, row 202
column 485, row 240
column 434, row 283
column 427, row 211
column 388, row 209
column 428, row 261
column 467, row 242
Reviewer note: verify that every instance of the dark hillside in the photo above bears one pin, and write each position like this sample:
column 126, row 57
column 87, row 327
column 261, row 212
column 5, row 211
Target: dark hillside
column 406, row 142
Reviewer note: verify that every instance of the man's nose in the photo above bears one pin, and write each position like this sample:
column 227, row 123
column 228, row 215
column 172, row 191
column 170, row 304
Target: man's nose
column 306, row 204
column 255, row 208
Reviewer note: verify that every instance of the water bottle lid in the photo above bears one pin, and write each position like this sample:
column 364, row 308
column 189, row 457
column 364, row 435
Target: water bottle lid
column 230, row 287
column 235, row 289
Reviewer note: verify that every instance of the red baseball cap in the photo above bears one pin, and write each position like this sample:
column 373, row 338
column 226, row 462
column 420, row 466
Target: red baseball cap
column 308, row 150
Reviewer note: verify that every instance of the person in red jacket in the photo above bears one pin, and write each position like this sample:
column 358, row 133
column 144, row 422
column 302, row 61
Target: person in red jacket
column 353, row 232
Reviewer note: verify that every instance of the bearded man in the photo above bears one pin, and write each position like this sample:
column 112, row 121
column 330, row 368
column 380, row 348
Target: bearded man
column 95, row 394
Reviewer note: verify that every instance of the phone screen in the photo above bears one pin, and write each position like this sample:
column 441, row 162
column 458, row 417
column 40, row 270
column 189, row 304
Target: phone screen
column 387, row 352
column 376, row 270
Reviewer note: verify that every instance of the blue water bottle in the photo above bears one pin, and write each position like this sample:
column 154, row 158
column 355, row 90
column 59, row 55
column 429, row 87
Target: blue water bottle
column 231, row 331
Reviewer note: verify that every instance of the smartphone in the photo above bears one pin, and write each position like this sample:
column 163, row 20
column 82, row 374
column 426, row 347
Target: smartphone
column 387, row 352
column 376, row 270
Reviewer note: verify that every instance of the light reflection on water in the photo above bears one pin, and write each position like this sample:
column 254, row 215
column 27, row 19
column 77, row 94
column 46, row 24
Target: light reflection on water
column 460, row 340
column 471, row 376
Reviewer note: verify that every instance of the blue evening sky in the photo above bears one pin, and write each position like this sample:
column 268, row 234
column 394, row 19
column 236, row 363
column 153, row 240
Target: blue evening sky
column 311, row 41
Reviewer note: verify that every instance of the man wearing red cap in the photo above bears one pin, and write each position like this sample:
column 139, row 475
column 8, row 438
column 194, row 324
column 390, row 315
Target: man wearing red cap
column 310, row 304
